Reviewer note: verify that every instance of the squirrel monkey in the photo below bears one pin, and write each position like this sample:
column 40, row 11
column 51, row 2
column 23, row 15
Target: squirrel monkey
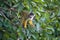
column 27, row 18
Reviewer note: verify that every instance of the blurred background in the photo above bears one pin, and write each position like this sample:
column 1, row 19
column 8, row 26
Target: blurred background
column 47, row 20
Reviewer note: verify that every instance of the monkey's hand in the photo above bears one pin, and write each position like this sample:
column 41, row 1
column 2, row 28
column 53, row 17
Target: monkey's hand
column 31, row 23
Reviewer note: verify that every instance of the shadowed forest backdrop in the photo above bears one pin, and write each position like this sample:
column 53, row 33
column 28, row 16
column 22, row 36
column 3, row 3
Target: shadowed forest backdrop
column 47, row 20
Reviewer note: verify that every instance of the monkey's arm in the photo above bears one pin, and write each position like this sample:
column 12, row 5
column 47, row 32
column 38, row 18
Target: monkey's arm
column 25, row 23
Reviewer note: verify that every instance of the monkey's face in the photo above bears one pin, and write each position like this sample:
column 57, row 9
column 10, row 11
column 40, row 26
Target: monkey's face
column 31, row 16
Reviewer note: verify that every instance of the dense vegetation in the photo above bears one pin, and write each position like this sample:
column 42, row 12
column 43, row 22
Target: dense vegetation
column 47, row 20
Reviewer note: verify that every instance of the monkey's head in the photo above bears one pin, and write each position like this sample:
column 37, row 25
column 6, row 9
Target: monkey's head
column 31, row 16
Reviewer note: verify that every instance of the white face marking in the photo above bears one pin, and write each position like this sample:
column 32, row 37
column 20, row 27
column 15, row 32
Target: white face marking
column 32, row 16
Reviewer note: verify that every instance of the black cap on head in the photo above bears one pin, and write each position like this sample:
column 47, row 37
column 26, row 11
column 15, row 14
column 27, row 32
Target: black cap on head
column 31, row 13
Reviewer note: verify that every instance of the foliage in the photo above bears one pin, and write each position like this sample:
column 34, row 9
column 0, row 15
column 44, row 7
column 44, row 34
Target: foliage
column 47, row 20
